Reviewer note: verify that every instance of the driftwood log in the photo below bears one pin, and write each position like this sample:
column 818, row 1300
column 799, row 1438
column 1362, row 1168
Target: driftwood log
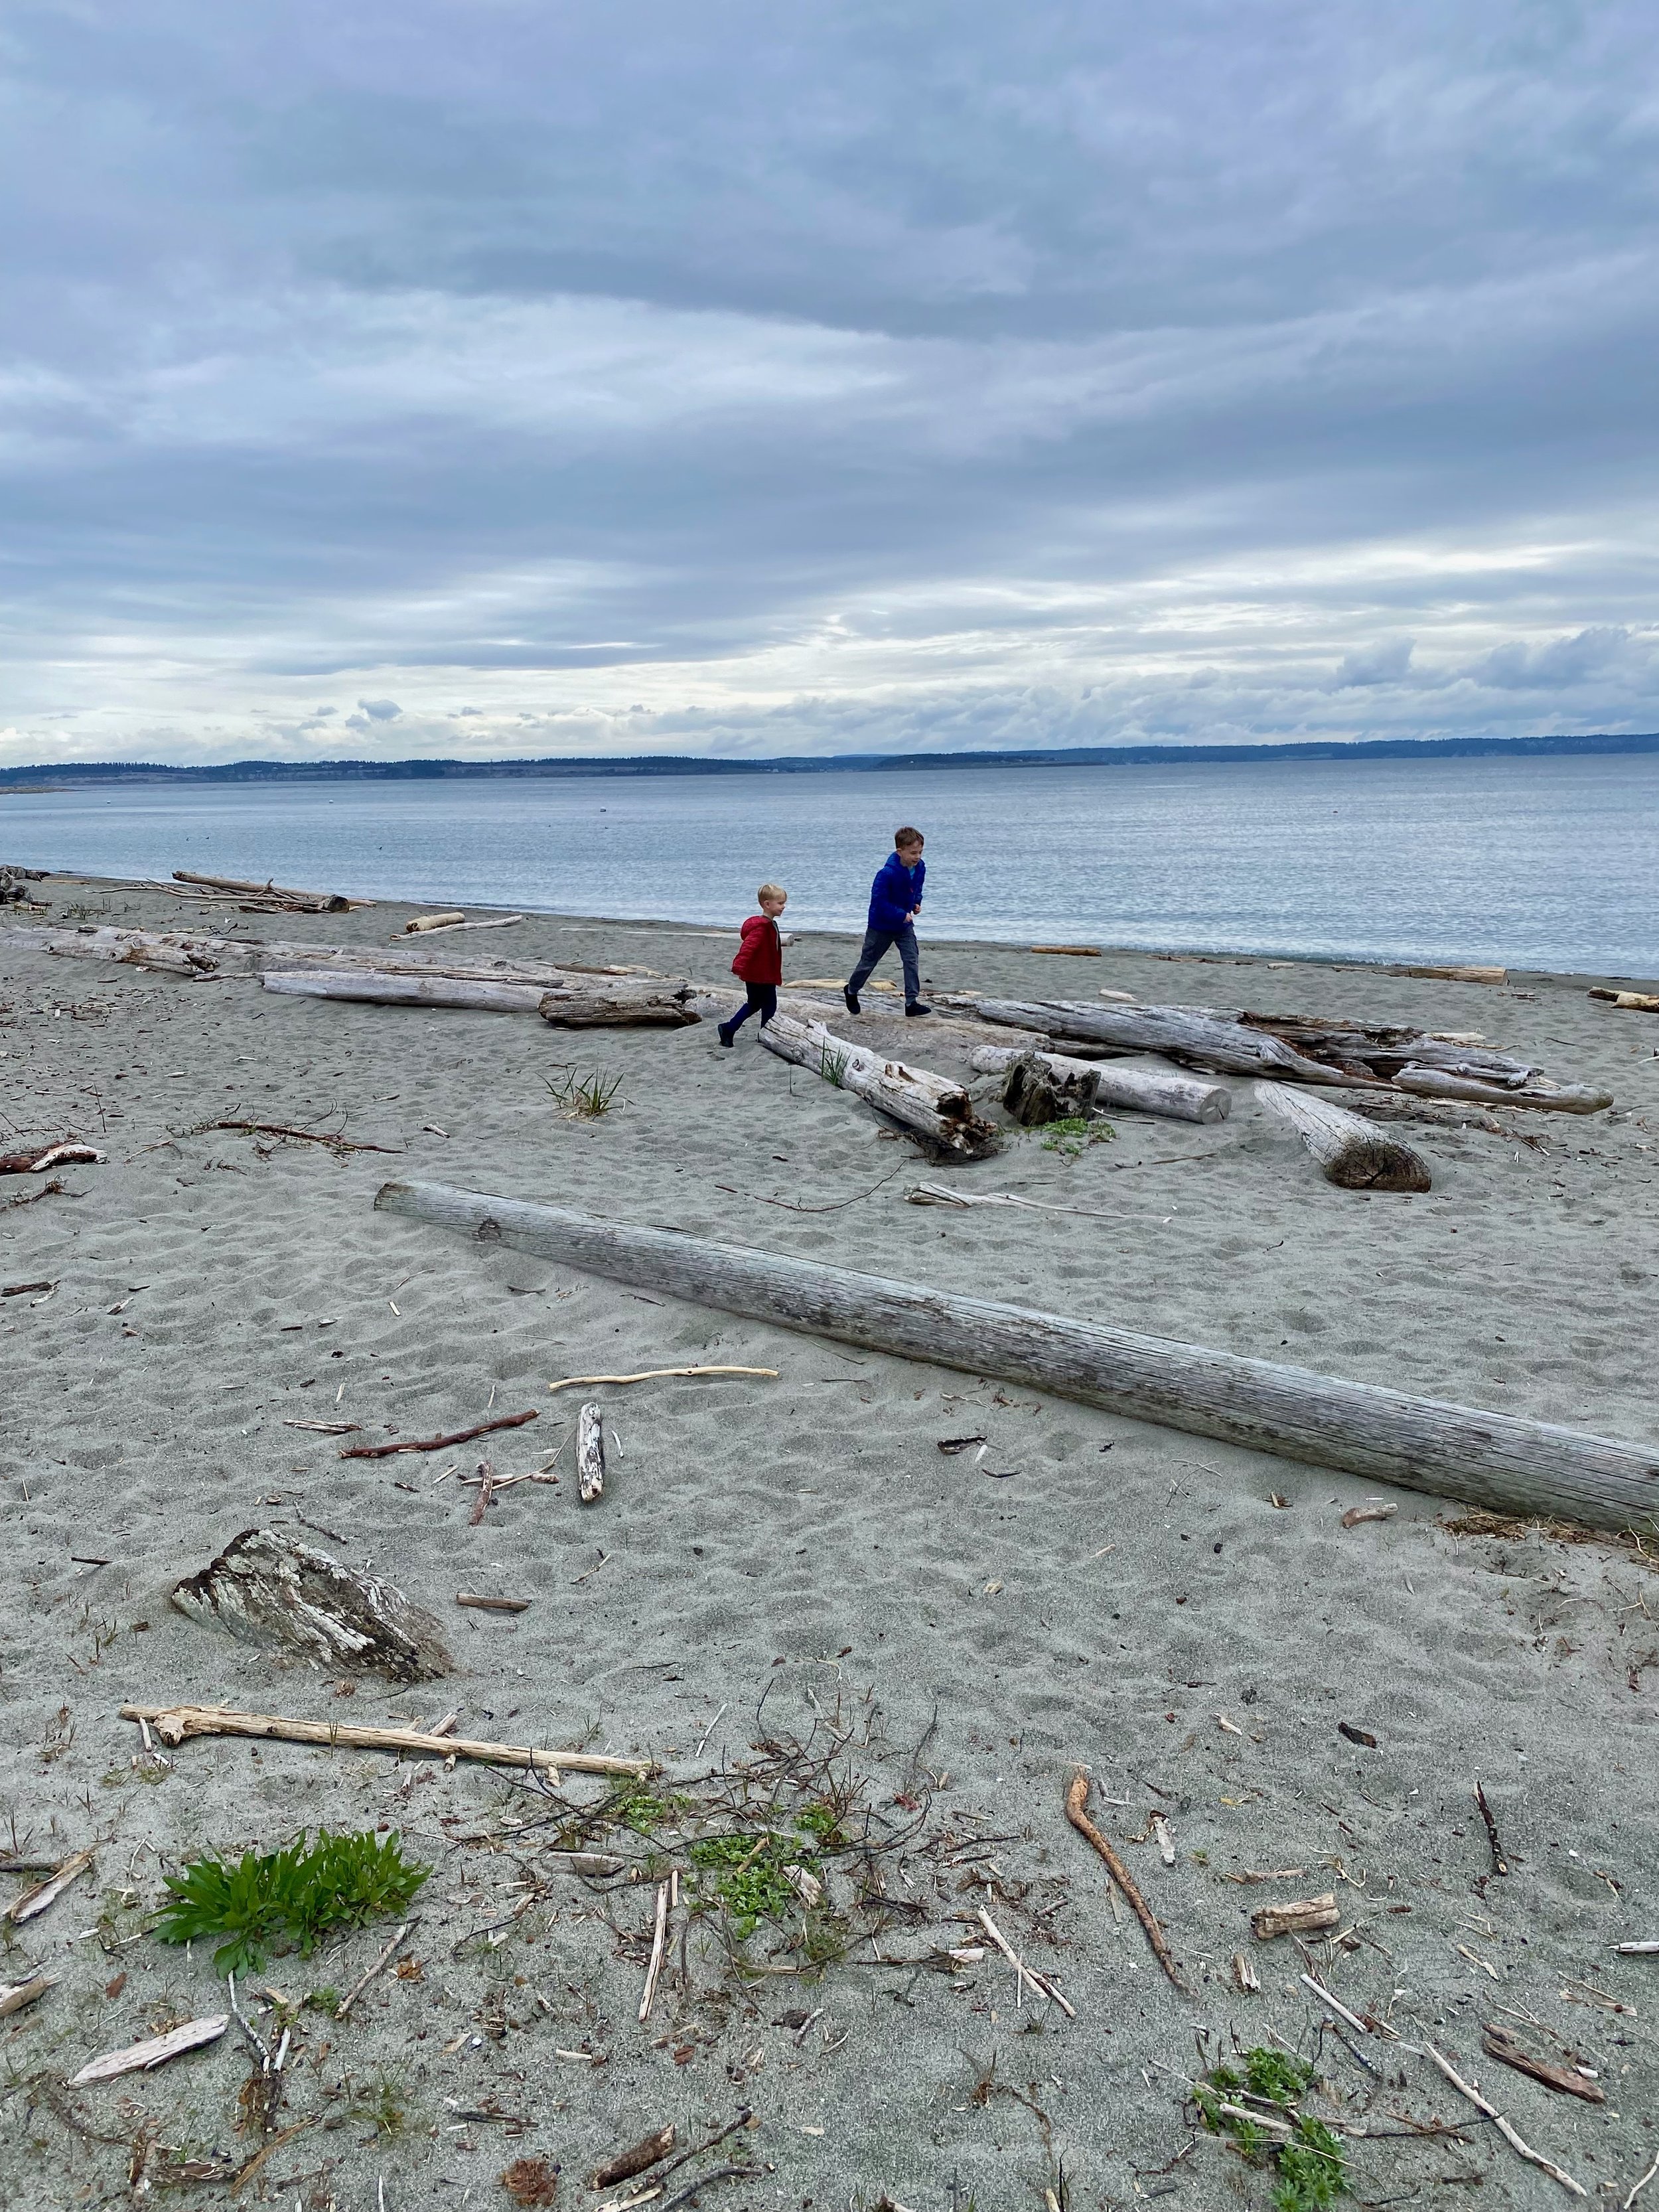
column 934, row 1104
column 1194, row 1034
column 626, row 1005
column 1497, row 1460
column 267, row 1589
column 1441, row 1083
column 450, row 918
column 301, row 902
column 1140, row 1090
column 175, row 1724
column 1634, row 1002
column 1352, row 1152
column 386, row 990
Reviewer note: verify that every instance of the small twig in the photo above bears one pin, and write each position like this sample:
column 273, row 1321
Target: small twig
column 246, row 2026
column 441, row 1443
column 385, row 1958
column 1077, row 1799
column 1022, row 1971
column 1641, row 2185
column 658, row 1944
column 697, row 2149
column 1520, row 2149
column 720, row 2173
column 281, row 1129
column 657, row 1374
column 1499, row 1863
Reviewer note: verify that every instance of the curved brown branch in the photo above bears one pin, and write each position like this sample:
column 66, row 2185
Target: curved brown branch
column 1077, row 1799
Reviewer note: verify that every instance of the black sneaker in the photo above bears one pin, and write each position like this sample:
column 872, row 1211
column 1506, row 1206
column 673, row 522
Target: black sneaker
column 919, row 1007
column 725, row 1036
column 851, row 998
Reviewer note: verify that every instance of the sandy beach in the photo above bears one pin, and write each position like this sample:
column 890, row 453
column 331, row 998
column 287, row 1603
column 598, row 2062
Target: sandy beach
column 788, row 1580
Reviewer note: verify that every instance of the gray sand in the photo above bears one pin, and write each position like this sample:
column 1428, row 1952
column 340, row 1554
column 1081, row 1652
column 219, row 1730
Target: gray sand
column 1089, row 1590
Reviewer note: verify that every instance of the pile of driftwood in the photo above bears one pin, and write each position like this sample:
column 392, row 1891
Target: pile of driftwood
column 272, row 898
column 940, row 1110
column 15, row 885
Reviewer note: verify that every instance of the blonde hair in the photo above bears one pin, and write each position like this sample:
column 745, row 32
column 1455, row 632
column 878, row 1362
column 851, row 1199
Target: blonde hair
column 771, row 891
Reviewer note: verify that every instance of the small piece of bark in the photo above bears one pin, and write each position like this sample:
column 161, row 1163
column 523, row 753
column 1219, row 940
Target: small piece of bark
column 441, row 1444
column 1499, row 2042
column 1305, row 1918
column 1637, row 1950
column 1355, row 1514
column 1356, row 1735
column 492, row 1604
column 14, row 1995
column 590, row 1454
column 175, row 1724
column 141, row 2057
column 627, row 2163
column 268, row 1588
column 48, row 1892
column 1244, row 1973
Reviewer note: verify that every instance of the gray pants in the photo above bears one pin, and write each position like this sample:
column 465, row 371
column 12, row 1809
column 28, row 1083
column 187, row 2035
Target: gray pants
column 878, row 941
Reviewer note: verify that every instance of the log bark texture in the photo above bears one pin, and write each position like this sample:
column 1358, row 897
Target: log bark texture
column 934, row 1104
column 1304, row 1918
column 388, row 990
column 590, row 1454
column 1139, row 1090
column 1496, row 1460
column 264, row 1588
column 1352, row 1152
column 625, row 1004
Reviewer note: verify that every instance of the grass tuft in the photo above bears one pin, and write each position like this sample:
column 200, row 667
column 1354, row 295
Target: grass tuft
column 1312, row 2171
column 292, row 1896
column 585, row 1097
column 1073, row 1134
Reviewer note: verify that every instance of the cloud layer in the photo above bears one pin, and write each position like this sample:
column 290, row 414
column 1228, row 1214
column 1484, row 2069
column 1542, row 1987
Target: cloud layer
column 471, row 377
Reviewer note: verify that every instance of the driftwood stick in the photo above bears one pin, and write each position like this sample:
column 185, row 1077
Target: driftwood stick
column 590, row 1454
column 14, row 1995
column 646, row 1375
column 1040, row 1983
column 1306, row 1918
column 380, row 1967
column 175, row 1723
column 1499, row 2042
column 1502, row 2126
column 52, row 1156
column 1352, row 1153
column 441, row 1443
column 1076, row 1802
column 1495, row 1461
column 141, row 2057
column 1651, row 2171
column 634, row 2160
column 1499, row 1863
column 659, row 1945
column 1438, row 1083
column 46, row 1893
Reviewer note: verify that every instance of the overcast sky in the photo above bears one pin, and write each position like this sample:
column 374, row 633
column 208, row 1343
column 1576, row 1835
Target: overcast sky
column 518, row 376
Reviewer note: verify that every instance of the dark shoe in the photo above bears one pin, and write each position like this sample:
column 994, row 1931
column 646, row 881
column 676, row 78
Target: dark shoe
column 918, row 1008
column 727, row 1037
column 851, row 997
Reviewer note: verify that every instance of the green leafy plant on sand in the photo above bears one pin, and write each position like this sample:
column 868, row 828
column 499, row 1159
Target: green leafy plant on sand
column 1072, row 1135
column 292, row 1897
column 585, row 1097
column 1311, row 2169
column 745, row 1875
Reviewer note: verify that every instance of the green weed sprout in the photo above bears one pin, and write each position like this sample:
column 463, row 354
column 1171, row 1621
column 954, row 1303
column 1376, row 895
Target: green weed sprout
column 292, row 1897
column 1072, row 1134
column 1312, row 2171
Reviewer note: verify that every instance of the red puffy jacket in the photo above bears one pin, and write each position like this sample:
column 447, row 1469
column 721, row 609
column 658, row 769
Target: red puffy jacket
column 760, row 957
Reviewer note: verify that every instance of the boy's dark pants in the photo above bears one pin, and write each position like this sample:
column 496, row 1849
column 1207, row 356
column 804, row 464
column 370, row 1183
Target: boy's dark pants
column 879, row 941
column 763, row 999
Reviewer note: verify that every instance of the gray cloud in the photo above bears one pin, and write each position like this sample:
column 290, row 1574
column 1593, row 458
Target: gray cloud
column 918, row 378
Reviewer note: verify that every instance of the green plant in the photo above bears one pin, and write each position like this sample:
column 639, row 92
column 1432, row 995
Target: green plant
column 641, row 1810
column 294, row 1896
column 585, row 1097
column 1310, row 2163
column 326, row 1999
column 833, row 1066
column 746, row 1875
column 385, row 2103
column 1073, row 1134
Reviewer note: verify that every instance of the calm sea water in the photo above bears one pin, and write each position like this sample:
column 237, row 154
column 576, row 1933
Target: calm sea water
column 1546, row 863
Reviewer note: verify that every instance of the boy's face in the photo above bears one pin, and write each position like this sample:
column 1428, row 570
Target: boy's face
column 775, row 906
column 908, row 854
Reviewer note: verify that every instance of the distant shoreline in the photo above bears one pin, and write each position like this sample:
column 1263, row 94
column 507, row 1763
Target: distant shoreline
column 91, row 775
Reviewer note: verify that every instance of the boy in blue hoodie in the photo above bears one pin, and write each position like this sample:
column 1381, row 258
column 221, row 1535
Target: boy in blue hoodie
column 895, row 903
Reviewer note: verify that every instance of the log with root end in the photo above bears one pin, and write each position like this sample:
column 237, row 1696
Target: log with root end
column 939, row 1109
column 1352, row 1152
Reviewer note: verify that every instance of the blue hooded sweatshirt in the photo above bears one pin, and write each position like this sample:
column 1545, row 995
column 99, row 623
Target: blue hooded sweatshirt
column 896, row 890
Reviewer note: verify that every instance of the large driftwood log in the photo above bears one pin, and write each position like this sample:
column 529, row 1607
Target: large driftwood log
column 382, row 990
column 302, row 902
column 1141, row 1090
column 939, row 1107
column 1494, row 1460
column 1437, row 1083
column 1351, row 1153
column 175, row 1724
column 627, row 1005
column 267, row 1589
column 1194, row 1034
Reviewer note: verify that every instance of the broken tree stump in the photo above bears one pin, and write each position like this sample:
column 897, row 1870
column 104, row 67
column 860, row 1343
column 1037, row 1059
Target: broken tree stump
column 268, row 1588
column 1352, row 1152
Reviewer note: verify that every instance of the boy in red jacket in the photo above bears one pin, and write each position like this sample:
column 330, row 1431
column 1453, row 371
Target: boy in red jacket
column 759, row 961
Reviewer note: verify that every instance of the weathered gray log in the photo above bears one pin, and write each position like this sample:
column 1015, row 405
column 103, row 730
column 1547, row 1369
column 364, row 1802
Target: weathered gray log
column 1495, row 1459
column 629, row 1005
column 383, row 990
column 1194, row 1034
column 1140, row 1090
column 267, row 1589
column 1436, row 1083
column 1352, row 1152
column 412, row 957
column 172, row 952
column 590, row 1454
column 934, row 1104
